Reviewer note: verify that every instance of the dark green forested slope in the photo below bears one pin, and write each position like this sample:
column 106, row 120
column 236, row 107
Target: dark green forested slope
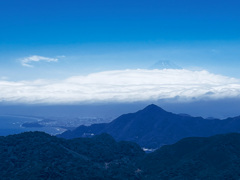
column 216, row 157
column 36, row 155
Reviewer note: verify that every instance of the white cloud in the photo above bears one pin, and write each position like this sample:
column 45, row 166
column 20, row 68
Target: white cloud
column 123, row 86
column 28, row 60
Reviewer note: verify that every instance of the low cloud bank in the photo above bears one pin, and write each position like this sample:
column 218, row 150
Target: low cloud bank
column 123, row 86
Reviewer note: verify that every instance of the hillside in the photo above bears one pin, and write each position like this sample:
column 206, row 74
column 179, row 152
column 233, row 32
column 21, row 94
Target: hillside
column 36, row 155
column 216, row 157
column 153, row 127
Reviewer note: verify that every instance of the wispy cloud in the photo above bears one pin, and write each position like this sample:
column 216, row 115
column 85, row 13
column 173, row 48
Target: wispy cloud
column 28, row 60
column 123, row 86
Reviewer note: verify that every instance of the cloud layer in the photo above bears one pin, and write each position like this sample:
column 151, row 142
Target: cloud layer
column 123, row 86
column 28, row 60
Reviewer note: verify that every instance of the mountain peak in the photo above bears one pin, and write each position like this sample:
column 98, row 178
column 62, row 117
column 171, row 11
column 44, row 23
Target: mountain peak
column 165, row 65
column 153, row 107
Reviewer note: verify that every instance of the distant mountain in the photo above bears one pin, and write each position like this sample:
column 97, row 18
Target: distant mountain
column 216, row 157
column 165, row 65
column 154, row 127
column 36, row 155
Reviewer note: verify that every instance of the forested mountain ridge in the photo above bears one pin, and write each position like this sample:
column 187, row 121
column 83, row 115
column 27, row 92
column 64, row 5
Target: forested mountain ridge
column 214, row 158
column 153, row 127
column 36, row 155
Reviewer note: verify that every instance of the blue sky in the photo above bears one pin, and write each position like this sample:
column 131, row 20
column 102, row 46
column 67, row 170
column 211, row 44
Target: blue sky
column 58, row 39
column 61, row 22
column 74, row 28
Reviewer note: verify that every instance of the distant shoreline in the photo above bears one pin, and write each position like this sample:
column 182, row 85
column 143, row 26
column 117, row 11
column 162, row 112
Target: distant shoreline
column 25, row 117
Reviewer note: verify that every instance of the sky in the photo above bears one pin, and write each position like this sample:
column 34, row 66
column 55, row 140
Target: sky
column 74, row 51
